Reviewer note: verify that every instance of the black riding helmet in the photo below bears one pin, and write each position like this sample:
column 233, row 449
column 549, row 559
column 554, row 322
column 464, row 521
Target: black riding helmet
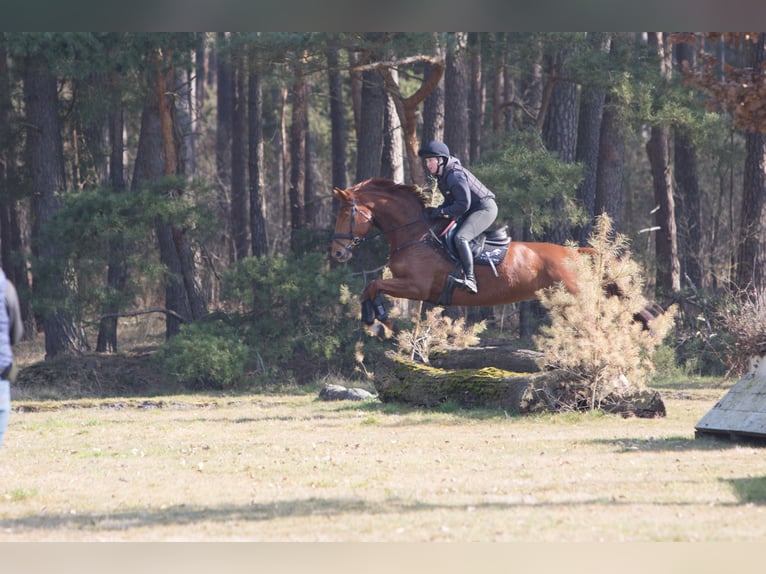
column 434, row 149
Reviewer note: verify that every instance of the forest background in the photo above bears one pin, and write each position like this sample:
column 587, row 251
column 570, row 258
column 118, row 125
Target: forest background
column 190, row 174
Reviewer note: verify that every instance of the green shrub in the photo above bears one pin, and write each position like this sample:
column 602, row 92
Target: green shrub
column 296, row 314
column 205, row 355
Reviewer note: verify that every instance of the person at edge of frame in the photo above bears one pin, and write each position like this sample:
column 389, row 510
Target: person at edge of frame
column 11, row 332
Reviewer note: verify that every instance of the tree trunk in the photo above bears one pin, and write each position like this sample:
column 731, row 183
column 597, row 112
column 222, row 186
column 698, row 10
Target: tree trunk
column 200, row 72
column 392, row 165
column 476, row 107
column 406, row 110
column 611, row 152
column 239, row 210
column 150, row 167
column 588, row 139
column 313, row 210
column 456, row 87
column 498, row 81
column 337, row 120
column 157, row 156
column 298, row 128
column 10, row 229
column 183, row 251
column 668, row 276
column 258, row 235
column 433, row 104
column 370, row 148
column 223, row 133
column 611, row 162
column 186, row 124
column 560, row 132
column 117, row 272
column 688, row 192
column 688, row 213
column 751, row 256
column 533, row 87
column 278, row 200
column 63, row 335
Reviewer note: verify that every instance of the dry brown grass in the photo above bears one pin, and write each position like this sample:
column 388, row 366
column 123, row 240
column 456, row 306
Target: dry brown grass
column 292, row 468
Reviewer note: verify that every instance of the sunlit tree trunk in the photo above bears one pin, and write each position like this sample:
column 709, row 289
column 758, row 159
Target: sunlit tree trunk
column 183, row 293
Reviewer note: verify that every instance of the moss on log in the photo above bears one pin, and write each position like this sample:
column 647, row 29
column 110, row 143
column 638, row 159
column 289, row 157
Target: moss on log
column 399, row 380
column 502, row 357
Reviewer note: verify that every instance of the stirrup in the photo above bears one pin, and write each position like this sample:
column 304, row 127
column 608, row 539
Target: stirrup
column 468, row 283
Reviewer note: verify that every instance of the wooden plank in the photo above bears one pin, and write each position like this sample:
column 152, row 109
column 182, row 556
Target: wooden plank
column 742, row 411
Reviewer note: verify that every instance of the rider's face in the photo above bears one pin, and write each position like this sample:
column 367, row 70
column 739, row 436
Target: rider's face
column 432, row 164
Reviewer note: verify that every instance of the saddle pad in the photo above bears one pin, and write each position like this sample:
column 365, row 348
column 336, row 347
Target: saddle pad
column 495, row 256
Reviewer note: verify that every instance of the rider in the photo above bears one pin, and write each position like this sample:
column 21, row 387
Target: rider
column 11, row 331
column 465, row 198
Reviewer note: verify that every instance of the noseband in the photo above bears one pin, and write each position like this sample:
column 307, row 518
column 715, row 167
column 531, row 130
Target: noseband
column 355, row 239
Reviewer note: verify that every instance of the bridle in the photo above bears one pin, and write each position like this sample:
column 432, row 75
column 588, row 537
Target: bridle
column 356, row 240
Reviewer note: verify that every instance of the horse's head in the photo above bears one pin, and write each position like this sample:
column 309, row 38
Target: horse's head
column 353, row 223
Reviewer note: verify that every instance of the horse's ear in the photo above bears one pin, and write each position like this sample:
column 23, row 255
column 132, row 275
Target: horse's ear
column 341, row 194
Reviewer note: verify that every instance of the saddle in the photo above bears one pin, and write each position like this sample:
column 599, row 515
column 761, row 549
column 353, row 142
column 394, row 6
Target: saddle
column 489, row 248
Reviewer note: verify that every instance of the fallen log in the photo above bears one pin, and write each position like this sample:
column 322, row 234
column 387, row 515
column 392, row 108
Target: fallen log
column 499, row 356
column 400, row 380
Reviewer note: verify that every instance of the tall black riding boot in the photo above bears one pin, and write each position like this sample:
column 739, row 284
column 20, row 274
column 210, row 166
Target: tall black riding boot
column 466, row 259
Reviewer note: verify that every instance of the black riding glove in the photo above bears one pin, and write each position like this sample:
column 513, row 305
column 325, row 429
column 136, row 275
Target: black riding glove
column 435, row 212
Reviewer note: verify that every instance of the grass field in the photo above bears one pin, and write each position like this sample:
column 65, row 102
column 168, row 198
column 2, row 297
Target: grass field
column 293, row 468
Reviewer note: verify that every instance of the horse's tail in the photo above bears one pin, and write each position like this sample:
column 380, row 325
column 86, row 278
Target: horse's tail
column 649, row 313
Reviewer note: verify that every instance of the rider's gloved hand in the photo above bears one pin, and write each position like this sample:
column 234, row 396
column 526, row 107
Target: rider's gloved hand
column 435, row 212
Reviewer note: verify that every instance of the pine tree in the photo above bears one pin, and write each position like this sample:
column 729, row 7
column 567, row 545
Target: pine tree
column 593, row 336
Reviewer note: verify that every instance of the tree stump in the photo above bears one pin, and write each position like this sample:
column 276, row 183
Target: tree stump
column 400, row 380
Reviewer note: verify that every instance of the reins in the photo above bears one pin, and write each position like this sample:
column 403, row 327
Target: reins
column 356, row 240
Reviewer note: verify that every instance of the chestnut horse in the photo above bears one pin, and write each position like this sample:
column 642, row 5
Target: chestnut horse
column 419, row 264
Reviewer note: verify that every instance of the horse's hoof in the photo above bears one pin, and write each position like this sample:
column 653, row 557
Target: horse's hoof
column 368, row 314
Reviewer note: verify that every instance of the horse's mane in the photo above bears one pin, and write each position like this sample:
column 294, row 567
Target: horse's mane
column 389, row 187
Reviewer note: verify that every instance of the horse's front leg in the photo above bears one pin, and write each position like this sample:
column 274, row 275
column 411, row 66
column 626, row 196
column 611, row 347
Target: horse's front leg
column 373, row 306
